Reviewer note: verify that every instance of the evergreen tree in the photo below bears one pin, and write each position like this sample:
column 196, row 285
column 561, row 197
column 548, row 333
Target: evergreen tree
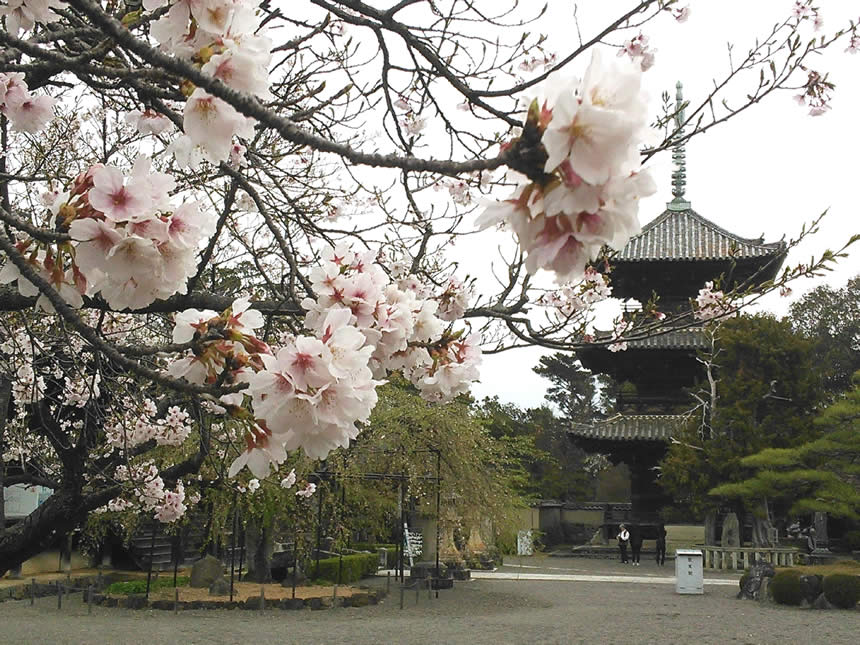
column 831, row 319
column 767, row 391
column 819, row 475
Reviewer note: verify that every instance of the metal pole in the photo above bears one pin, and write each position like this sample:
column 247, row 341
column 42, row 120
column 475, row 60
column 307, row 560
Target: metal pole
column 319, row 529
column 33, row 592
column 175, row 600
column 438, row 503
column 59, row 595
column 233, row 547
column 177, row 555
column 402, row 525
column 262, row 597
column 340, row 560
column 151, row 549
column 89, row 599
column 241, row 528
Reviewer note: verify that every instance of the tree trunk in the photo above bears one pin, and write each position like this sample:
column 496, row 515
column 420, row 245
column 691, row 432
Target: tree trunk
column 5, row 397
column 711, row 528
column 763, row 532
column 57, row 516
column 259, row 546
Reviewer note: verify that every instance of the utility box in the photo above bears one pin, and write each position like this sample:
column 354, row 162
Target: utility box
column 689, row 574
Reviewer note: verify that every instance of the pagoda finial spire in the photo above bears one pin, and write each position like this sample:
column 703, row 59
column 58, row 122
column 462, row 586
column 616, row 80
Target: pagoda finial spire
column 679, row 155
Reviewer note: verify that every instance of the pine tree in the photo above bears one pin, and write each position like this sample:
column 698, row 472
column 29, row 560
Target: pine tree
column 819, row 475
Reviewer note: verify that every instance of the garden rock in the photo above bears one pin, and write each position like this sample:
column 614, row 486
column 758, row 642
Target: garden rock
column 206, row 571
column 811, row 587
column 298, row 573
column 731, row 531
column 219, row 587
column 764, row 596
column 136, row 601
column 758, row 572
column 821, row 603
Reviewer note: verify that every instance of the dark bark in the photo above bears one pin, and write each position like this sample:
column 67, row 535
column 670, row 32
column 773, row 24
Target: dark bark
column 56, row 517
column 259, row 546
column 5, row 397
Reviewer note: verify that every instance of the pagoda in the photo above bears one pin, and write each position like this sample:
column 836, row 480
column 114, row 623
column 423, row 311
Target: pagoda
column 671, row 258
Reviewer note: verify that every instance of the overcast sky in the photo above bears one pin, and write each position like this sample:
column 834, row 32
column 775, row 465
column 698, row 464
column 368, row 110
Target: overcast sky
column 767, row 171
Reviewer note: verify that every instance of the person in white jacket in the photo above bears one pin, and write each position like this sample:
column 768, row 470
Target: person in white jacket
column 623, row 540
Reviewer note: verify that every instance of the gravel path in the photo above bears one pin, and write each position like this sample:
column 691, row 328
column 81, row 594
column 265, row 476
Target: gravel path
column 495, row 612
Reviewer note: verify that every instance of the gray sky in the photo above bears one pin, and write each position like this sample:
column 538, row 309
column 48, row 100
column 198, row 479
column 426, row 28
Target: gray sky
column 767, row 171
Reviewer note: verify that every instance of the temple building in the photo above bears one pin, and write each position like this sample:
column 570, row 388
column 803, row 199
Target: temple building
column 673, row 257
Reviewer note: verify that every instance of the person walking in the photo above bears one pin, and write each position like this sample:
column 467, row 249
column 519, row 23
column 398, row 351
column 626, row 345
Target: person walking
column 623, row 539
column 635, row 543
column 661, row 544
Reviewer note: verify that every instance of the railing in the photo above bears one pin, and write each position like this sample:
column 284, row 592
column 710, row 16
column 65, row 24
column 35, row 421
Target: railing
column 742, row 557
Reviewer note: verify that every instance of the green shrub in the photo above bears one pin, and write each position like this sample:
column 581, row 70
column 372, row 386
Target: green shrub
column 842, row 590
column 139, row 586
column 851, row 539
column 786, row 587
column 352, row 568
column 373, row 547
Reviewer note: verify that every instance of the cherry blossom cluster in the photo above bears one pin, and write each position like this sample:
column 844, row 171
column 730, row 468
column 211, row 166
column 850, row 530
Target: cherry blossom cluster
column 307, row 491
column 711, row 303
column 148, row 121
column 681, row 14
column 26, row 112
column 803, row 10
column 853, row 45
column 532, row 63
column 620, row 328
column 576, row 297
column 398, row 320
column 637, row 49
column 18, row 351
column 130, row 244
column 588, row 195
column 136, row 426
column 817, row 93
column 22, row 15
column 149, row 492
column 314, row 390
column 222, row 38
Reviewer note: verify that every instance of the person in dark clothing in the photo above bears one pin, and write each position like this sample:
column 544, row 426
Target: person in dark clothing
column 635, row 543
column 623, row 539
column 661, row 544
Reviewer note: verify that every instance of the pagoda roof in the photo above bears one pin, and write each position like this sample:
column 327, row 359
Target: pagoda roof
column 632, row 427
column 682, row 235
column 691, row 338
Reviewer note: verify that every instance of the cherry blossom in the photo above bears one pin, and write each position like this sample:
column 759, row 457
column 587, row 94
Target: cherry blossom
column 307, row 491
column 211, row 124
column 26, row 112
column 148, row 122
column 290, row 480
column 592, row 137
column 22, row 15
column 711, row 303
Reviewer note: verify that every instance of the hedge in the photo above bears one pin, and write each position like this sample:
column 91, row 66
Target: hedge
column 842, row 590
column 786, row 587
column 373, row 547
column 139, row 586
column 353, row 567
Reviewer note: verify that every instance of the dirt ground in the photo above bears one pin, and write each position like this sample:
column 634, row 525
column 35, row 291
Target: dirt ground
column 244, row 590
column 495, row 612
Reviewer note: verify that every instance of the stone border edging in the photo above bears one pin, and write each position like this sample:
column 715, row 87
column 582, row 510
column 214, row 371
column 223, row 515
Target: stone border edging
column 139, row 601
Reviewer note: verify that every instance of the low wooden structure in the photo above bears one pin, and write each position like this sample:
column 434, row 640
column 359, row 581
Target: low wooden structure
column 741, row 557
